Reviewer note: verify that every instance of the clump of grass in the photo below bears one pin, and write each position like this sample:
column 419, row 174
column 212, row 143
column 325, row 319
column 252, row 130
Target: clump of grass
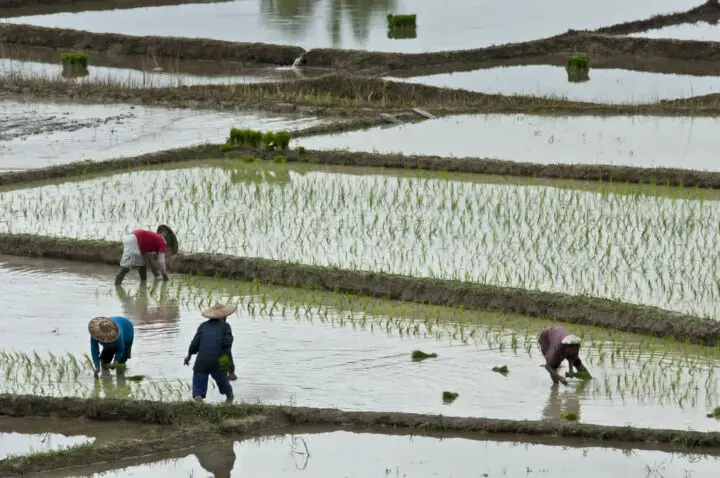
column 301, row 150
column 715, row 413
column 75, row 59
column 136, row 378
column 280, row 159
column 249, row 158
column 569, row 416
column 578, row 68
column 224, row 362
column 245, row 137
column 449, row 397
column 502, row 370
column 418, row 355
column 582, row 375
column 268, row 140
column 401, row 21
column 402, row 33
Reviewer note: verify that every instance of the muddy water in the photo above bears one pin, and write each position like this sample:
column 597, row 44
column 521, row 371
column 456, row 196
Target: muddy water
column 36, row 135
column 604, row 86
column 355, row 455
column 25, row 436
column 128, row 77
column 657, row 250
column 686, row 31
column 322, row 349
column 627, row 141
column 460, row 24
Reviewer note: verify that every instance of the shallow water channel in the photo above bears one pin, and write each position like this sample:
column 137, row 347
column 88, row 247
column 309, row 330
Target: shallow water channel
column 606, row 85
column 36, row 135
column 23, row 436
column 645, row 141
column 327, row 350
column 459, row 24
column 355, row 455
column 648, row 245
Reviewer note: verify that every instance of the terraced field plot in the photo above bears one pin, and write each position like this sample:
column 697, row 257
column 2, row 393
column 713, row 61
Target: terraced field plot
column 328, row 350
column 36, row 135
column 461, row 24
column 652, row 246
column 366, row 454
column 644, row 141
column 604, row 86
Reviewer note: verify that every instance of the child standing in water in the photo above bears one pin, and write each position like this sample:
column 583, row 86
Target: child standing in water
column 212, row 341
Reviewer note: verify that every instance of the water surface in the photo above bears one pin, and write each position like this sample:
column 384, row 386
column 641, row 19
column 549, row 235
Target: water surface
column 327, row 350
column 37, row 135
column 356, row 455
column 361, row 24
column 685, row 31
column 645, row 141
column 604, row 86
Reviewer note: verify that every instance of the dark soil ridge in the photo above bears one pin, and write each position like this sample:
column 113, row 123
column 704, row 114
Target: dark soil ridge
column 673, row 177
column 708, row 12
column 582, row 310
column 21, row 8
column 350, row 95
column 360, row 61
column 189, row 418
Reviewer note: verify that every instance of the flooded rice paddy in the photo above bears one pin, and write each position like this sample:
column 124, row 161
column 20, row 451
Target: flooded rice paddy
column 36, row 135
column 650, row 245
column 460, row 24
column 133, row 78
column 355, row 455
column 327, row 350
column 645, row 141
column 23, row 436
column 604, row 86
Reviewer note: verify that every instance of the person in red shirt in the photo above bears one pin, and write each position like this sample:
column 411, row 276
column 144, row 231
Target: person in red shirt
column 143, row 248
column 557, row 344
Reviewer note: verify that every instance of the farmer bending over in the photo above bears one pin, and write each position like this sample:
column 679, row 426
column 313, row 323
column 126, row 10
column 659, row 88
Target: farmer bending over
column 212, row 341
column 557, row 344
column 116, row 336
column 143, row 248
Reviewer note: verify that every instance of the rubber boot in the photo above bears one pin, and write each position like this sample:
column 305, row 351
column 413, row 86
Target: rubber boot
column 121, row 275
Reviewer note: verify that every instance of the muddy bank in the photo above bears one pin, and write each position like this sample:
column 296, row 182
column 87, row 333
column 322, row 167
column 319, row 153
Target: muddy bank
column 572, row 309
column 168, row 47
column 708, row 12
column 486, row 166
column 339, row 95
column 21, row 8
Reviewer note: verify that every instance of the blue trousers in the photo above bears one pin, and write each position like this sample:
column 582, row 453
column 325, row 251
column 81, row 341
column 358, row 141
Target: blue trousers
column 200, row 383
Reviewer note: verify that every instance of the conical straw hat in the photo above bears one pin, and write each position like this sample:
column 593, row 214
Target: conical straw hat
column 170, row 238
column 103, row 329
column 219, row 311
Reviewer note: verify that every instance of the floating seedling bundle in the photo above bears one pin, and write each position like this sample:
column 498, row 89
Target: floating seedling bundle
column 402, row 26
column 578, row 68
column 74, row 64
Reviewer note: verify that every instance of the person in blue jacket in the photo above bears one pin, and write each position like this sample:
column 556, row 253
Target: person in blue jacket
column 212, row 342
column 116, row 335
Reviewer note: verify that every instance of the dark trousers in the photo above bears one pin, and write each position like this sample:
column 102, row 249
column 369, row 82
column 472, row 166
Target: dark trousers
column 108, row 353
column 200, row 383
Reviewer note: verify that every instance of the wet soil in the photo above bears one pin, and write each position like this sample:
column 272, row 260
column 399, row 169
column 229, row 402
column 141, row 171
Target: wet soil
column 21, row 8
column 708, row 12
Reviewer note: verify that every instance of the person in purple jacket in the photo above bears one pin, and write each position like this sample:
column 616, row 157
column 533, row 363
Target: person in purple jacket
column 557, row 344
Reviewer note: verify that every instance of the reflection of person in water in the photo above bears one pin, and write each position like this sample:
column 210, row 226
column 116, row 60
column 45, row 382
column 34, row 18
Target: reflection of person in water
column 219, row 459
column 138, row 306
column 557, row 405
column 107, row 388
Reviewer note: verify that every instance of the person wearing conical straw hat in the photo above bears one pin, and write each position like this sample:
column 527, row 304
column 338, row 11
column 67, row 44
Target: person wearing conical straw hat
column 212, row 343
column 557, row 345
column 116, row 335
column 143, row 248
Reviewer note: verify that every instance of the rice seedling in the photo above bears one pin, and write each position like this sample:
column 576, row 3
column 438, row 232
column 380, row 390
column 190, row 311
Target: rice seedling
column 502, row 370
column 569, row 416
column 655, row 250
column 715, row 413
column 419, row 355
column 74, row 64
column 578, row 68
column 401, row 21
column 269, row 140
column 449, row 397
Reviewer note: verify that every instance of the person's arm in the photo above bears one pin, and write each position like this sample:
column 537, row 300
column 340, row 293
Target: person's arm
column 95, row 352
column 195, row 344
column 551, row 365
column 163, row 265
